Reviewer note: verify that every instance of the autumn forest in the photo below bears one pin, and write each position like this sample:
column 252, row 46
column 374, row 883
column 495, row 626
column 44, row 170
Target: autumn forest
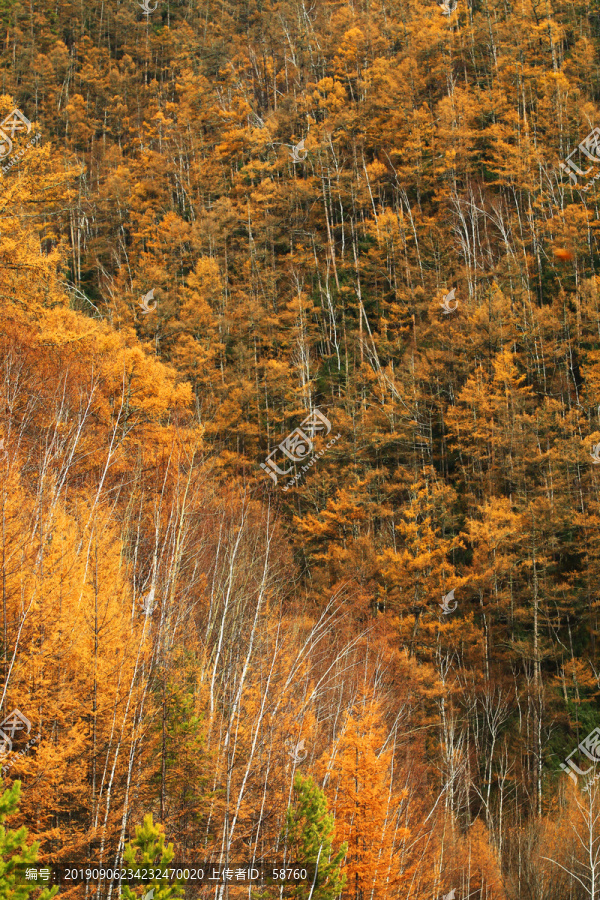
column 300, row 443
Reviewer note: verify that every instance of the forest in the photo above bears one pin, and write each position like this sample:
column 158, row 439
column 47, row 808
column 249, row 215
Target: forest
column 300, row 445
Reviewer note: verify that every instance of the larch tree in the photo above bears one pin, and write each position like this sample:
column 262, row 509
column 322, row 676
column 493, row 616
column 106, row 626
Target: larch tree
column 361, row 795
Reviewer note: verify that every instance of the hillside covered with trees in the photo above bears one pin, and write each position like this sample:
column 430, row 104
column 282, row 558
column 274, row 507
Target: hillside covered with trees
column 238, row 216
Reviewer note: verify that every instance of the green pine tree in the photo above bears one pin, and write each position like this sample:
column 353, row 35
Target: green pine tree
column 308, row 836
column 15, row 855
column 148, row 851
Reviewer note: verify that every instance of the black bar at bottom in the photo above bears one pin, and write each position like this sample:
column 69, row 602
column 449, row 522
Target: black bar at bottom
column 171, row 873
